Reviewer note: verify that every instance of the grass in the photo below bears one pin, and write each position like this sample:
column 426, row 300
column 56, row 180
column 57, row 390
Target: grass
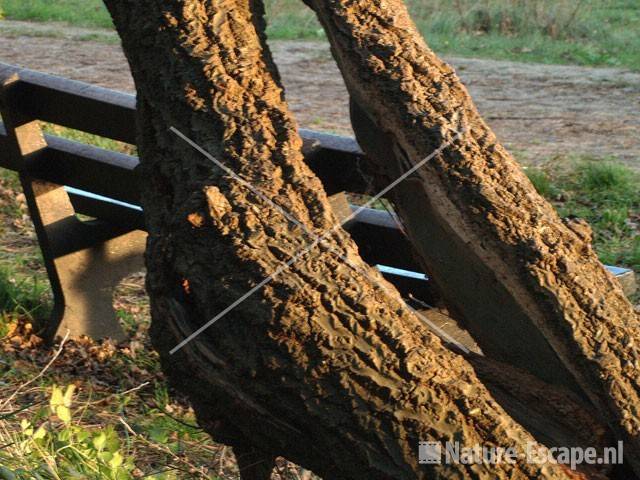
column 85, row 13
column 88, row 138
column 604, row 193
column 583, row 32
column 104, row 411
column 22, row 295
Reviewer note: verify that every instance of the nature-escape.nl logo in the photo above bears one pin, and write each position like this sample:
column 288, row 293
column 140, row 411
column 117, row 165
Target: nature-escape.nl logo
column 436, row 453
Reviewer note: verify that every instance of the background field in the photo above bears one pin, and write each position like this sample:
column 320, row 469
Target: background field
column 585, row 32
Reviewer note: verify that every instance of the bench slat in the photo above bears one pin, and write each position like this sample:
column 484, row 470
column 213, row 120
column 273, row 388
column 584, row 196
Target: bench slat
column 72, row 104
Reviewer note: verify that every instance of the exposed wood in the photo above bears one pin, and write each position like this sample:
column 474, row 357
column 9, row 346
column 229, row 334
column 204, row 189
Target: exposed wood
column 628, row 282
column 530, row 288
column 321, row 365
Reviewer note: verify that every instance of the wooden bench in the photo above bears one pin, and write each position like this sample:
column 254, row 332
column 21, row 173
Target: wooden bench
column 61, row 179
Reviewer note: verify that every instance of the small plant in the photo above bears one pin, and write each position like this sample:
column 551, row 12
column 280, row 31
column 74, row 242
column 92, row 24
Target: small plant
column 21, row 296
column 52, row 446
column 555, row 19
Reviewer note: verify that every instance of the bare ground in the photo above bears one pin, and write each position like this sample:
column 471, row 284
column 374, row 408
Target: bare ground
column 538, row 111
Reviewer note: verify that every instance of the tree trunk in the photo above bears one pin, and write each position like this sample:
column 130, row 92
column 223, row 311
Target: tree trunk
column 527, row 285
column 320, row 365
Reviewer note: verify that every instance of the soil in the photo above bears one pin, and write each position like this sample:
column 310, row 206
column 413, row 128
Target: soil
column 538, row 111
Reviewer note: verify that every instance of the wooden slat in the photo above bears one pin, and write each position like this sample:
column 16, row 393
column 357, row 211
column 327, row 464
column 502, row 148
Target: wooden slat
column 336, row 161
column 88, row 168
column 72, row 104
column 82, row 166
column 128, row 217
column 109, row 173
column 111, row 114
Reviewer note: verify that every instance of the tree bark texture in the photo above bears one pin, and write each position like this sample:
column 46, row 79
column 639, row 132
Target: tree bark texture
column 527, row 284
column 321, row 365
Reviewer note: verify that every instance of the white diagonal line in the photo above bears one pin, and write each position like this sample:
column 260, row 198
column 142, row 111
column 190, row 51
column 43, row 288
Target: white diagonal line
column 358, row 211
column 392, row 185
column 237, row 177
column 317, row 240
column 239, row 301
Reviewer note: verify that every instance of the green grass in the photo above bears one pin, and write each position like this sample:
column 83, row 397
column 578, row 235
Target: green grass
column 22, row 295
column 587, row 32
column 584, row 32
column 83, row 137
column 53, row 444
column 100, row 412
column 604, row 193
column 86, row 13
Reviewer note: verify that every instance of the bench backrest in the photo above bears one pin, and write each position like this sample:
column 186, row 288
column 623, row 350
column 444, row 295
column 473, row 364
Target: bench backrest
column 36, row 96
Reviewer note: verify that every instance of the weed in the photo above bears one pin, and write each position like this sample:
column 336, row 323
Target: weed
column 541, row 181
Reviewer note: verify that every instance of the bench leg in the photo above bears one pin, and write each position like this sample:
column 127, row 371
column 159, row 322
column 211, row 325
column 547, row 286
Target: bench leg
column 85, row 261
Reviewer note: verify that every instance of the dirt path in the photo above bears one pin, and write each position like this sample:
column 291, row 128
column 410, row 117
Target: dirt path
column 537, row 110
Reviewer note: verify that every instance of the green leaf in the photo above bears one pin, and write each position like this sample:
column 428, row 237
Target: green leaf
column 60, row 403
column 158, row 434
column 116, row 460
column 100, row 441
column 82, row 435
column 63, row 413
column 40, row 433
column 57, row 398
column 113, row 441
column 68, row 395
column 27, row 427
column 105, row 456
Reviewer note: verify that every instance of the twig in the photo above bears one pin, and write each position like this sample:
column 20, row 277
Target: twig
column 181, row 422
column 21, row 409
column 223, row 455
column 42, row 372
column 157, row 472
column 117, row 394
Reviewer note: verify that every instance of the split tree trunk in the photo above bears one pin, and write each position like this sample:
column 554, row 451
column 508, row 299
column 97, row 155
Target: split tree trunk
column 528, row 285
column 320, row 365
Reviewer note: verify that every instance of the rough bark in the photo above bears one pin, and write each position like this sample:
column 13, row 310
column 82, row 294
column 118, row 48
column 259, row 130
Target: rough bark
column 320, row 365
column 528, row 285
column 554, row 415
